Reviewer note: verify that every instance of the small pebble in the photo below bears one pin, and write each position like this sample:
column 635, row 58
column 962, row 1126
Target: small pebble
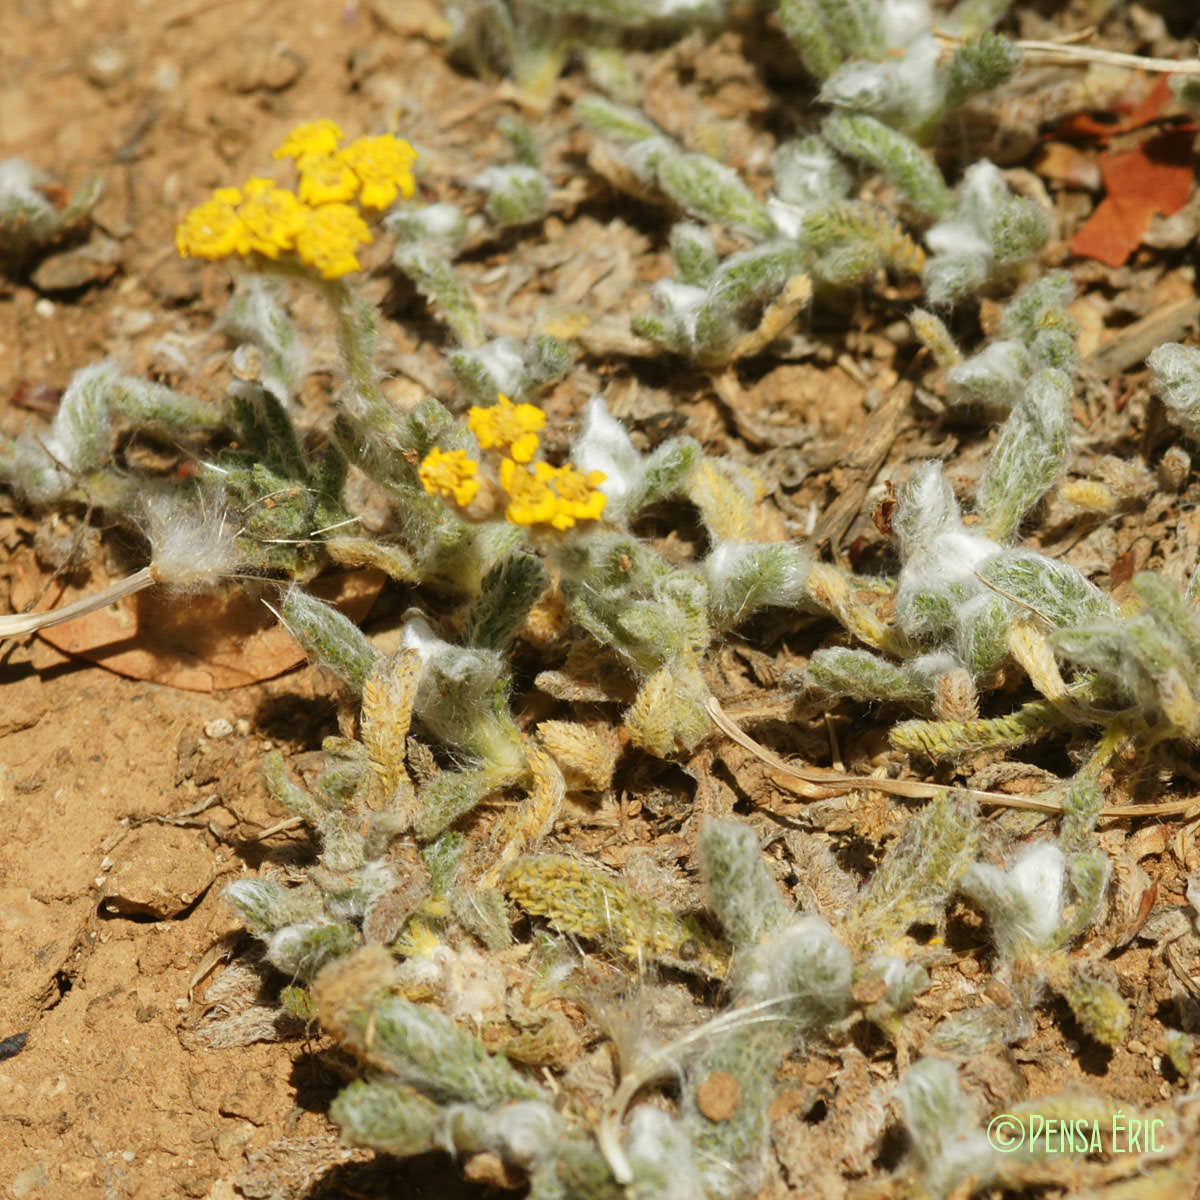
column 166, row 76
column 221, row 727
column 44, row 308
column 31, row 1180
column 107, row 65
column 718, row 1096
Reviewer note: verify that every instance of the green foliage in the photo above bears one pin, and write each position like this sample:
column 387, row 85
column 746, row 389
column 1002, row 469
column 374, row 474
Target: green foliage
column 384, row 1117
column 741, row 891
column 948, row 1148
column 988, row 231
column 862, row 675
column 423, row 1048
column 517, row 194
column 29, row 219
column 917, row 875
column 631, row 600
column 436, row 279
column 694, row 253
column 710, row 191
column 744, row 577
column 330, row 639
column 509, row 590
column 408, row 862
column 256, row 317
column 896, row 155
column 1149, row 656
column 978, row 66
column 1029, row 456
column 1176, row 369
column 824, row 34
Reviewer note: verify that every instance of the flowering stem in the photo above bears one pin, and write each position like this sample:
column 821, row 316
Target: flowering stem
column 357, row 334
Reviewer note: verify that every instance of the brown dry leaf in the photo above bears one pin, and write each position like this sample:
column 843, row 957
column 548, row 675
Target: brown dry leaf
column 203, row 643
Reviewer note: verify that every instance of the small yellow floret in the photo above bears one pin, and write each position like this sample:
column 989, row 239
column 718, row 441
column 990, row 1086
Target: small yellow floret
column 578, row 499
column 330, row 239
column 316, row 139
column 509, row 427
column 213, row 229
column 450, row 474
column 326, row 180
column 384, row 167
column 531, row 499
column 272, row 217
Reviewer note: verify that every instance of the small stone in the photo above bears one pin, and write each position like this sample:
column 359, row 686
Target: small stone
column 82, row 266
column 259, row 68
column 177, row 281
column 108, row 65
column 220, row 727
column 161, row 870
column 719, row 1096
column 231, row 1140
column 129, row 322
column 489, row 1168
column 44, row 308
column 998, row 993
column 166, row 76
column 412, row 18
column 29, row 1181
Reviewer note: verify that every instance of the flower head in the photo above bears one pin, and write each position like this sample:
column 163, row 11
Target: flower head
column 330, row 239
column 544, row 495
column 326, row 180
column 316, row 139
column 272, row 217
column 508, row 427
column 531, row 499
column 578, row 497
column 383, row 166
column 213, row 229
column 320, row 224
column 450, row 474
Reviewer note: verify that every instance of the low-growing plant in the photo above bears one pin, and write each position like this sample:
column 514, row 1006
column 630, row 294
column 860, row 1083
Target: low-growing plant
column 434, row 814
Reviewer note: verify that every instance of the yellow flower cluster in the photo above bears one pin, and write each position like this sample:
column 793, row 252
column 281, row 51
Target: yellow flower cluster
column 546, row 495
column 377, row 169
column 320, row 225
column 538, row 494
column 512, row 428
column 450, row 474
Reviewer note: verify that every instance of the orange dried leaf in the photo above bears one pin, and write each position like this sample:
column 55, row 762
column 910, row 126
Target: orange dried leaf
column 1124, row 117
column 1157, row 177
